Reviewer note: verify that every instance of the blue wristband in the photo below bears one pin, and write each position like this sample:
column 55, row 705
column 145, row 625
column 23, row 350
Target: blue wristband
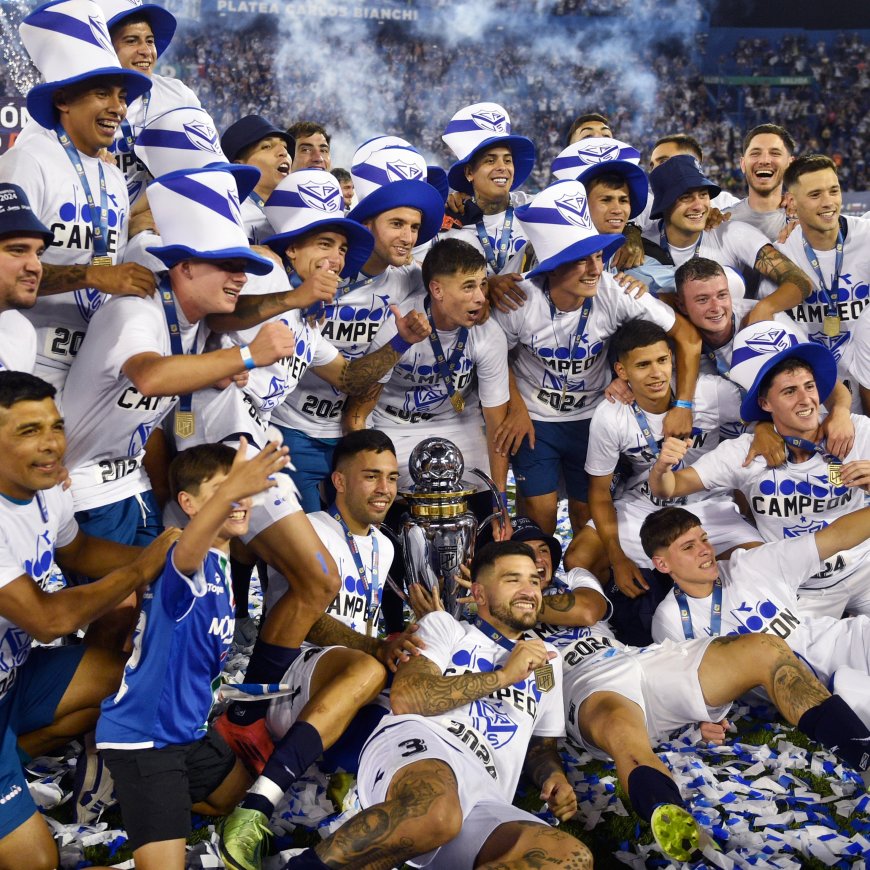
column 398, row 344
column 683, row 403
column 247, row 357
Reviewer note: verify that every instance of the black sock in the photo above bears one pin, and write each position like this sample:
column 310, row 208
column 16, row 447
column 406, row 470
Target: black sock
column 835, row 725
column 308, row 860
column 649, row 788
column 294, row 753
column 240, row 577
column 268, row 664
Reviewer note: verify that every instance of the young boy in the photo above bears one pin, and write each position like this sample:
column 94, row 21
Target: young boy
column 153, row 732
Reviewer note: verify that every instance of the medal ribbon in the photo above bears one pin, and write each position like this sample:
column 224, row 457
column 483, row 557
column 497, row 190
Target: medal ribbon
column 585, row 311
column 184, row 402
column 810, row 447
column 99, row 216
column 127, row 129
column 715, row 611
column 663, row 241
column 496, row 263
column 445, row 367
column 316, row 310
column 829, row 297
column 493, row 634
column 372, row 587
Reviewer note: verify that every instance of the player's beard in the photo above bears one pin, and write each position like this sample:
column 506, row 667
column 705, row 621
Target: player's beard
column 516, row 621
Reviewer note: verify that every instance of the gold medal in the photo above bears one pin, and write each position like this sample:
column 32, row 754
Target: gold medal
column 831, row 325
column 545, row 678
column 835, row 477
column 184, row 424
column 101, row 261
column 458, row 403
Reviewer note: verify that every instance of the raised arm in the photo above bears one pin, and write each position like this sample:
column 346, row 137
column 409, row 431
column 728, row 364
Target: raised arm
column 844, row 533
column 687, row 355
column 793, row 285
column 664, row 482
column 125, row 279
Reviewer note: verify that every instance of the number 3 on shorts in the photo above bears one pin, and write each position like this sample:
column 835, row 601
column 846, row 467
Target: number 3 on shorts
column 412, row 747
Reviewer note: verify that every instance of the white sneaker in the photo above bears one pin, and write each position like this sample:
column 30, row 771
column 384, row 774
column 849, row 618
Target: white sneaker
column 93, row 788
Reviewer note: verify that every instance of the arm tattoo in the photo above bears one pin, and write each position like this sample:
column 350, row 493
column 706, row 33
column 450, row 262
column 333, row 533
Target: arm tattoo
column 776, row 266
column 328, row 631
column 560, row 603
column 251, row 310
column 363, row 373
column 423, row 689
column 61, row 279
column 542, row 759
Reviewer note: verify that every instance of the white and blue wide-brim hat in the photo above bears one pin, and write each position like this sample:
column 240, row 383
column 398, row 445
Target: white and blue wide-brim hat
column 481, row 126
column 558, row 225
column 199, row 216
column 758, row 348
column 183, row 138
column 395, row 176
column 68, row 42
column 162, row 21
column 589, row 158
column 309, row 200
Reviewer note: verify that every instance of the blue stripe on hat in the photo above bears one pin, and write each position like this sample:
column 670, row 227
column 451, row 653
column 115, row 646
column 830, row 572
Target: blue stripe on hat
column 165, row 139
column 466, row 125
column 539, row 215
column 66, row 25
column 191, row 189
column 742, row 354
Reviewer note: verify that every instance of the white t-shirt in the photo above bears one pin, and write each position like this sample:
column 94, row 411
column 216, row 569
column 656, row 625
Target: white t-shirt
column 854, row 287
column 544, row 344
column 769, row 223
column 17, row 342
column 29, row 534
column 615, row 432
column 40, row 166
column 494, row 225
column 257, row 226
column 792, row 499
column 760, row 595
column 108, row 421
column 414, row 393
column 508, row 718
column 859, row 358
column 350, row 325
column 165, row 94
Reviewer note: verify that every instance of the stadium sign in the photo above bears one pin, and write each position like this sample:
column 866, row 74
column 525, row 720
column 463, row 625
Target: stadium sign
column 13, row 116
column 383, row 11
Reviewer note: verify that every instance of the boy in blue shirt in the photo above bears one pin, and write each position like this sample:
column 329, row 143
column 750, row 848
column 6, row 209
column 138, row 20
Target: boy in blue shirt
column 153, row 733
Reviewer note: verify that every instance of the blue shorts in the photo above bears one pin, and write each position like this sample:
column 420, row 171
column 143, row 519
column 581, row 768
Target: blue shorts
column 559, row 447
column 312, row 463
column 30, row 704
column 135, row 520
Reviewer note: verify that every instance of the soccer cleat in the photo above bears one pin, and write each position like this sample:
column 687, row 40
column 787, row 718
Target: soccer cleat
column 252, row 743
column 93, row 787
column 676, row 832
column 243, row 836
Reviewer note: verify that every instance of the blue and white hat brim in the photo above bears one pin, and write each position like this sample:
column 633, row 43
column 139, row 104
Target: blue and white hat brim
column 163, row 23
column 419, row 195
column 40, row 98
column 522, row 149
column 606, row 243
column 169, row 255
column 820, row 360
column 635, row 177
column 246, row 176
column 670, row 196
column 360, row 242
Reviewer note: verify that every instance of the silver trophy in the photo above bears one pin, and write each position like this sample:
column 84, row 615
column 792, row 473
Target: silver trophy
column 439, row 533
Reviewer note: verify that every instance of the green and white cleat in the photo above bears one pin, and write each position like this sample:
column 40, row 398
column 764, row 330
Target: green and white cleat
column 676, row 832
column 243, row 837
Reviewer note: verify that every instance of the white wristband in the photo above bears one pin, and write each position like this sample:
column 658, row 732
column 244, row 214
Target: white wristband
column 247, row 357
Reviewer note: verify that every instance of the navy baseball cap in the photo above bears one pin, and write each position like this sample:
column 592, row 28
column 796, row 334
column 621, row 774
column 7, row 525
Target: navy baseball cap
column 248, row 131
column 676, row 176
column 17, row 217
column 525, row 529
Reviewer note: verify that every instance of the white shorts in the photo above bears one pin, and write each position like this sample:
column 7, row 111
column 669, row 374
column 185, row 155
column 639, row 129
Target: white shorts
column 469, row 437
column 851, row 593
column 283, row 711
column 269, row 507
column 404, row 740
column 661, row 679
column 721, row 519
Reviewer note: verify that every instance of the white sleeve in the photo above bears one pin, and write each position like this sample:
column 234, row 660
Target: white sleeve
column 580, row 578
column 742, row 242
column 603, row 450
column 859, row 366
column 67, row 527
column 723, row 467
column 509, row 326
column 491, row 366
column 20, row 167
column 647, row 308
column 728, row 399
column 441, row 634
column 666, row 621
column 790, row 561
column 324, row 352
column 138, row 325
column 550, row 721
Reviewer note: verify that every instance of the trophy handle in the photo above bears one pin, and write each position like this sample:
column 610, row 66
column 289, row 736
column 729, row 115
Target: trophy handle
column 502, row 513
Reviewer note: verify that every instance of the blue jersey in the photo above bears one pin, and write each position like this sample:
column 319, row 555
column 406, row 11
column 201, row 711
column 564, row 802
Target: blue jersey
column 181, row 640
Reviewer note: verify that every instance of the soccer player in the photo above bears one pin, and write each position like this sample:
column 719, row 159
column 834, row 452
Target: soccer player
column 437, row 778
column 561, row 335
column 399, row 214
column 832, row 249
column 312, row 146
column 255, row 141
column 55, row 160
column 152, row 733
column 632, row 434
column 436, row 385
column 342, row 669
column 785, row 380
column 23, row 239
column 49, row 695
column 588, row 126
column 768, row 149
